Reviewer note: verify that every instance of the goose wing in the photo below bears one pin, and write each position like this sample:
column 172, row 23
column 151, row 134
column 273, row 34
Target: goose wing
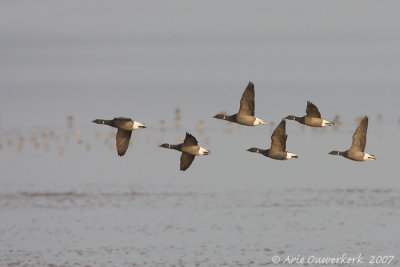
column 360, row 136
column 312, row 110
column 190, row 140
column 247, row 103
column 124, row 119
column 279, row 137
column 186, row 161
column 123, row 138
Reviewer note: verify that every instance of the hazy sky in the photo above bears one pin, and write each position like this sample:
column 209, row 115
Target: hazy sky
column 142, row 59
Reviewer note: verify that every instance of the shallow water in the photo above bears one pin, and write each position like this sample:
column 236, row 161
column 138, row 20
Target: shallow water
column 170, row 228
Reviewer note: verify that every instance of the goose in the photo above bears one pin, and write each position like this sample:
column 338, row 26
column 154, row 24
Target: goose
column 125, row 127
column 245, row 116
column 189, row 149
column 278, row 145
column 313, row 117
column 356, row 151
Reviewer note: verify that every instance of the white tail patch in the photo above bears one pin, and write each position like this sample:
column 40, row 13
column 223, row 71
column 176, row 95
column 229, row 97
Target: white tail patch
column 369, row 157
column 138, row 125
column 326, row 123
column 203, row 151
column 291, row 155
column 258, row 121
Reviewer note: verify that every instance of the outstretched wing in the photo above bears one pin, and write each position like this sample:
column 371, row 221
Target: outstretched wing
column 278, row 138
column 124, row 119
column 190, row 140
column 247, row 103
column 312, row 110
column 186, row 160
column 360, row 136
column 123, row 138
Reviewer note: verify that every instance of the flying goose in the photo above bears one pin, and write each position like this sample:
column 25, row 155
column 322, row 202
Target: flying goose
column 313, row 117
column 356, row 151
column 278, row 145
column 245, row 116
column 189, row 149
column 125, row 127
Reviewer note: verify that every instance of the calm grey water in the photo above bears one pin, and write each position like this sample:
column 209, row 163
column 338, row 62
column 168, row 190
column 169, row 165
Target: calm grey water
column 143, row 60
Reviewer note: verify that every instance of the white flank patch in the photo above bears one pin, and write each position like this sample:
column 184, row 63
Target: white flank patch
column 203, row 151
column 290, row 155
column 136, row 125
column 368, row 157
column 326, row 123
column 259, row 121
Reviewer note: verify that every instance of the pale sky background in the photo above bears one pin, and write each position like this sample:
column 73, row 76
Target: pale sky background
column 100, row 59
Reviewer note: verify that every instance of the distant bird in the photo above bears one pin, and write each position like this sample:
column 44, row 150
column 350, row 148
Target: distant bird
column 337, row 121
column 245, row 116
column 356, row 151
column 77, row 135
column 45, row 134
column 189, row 149
column 178, row 118
column 200, row 125
column 313, row 117
column 162, row 126
column 70, row 122
column 125, row 127
column 278, row 145
column 46, row 145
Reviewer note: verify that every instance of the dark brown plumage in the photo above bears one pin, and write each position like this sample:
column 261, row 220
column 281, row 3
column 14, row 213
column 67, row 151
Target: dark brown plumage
column 245, row 116
column 247, row 102
column 356, row 151
column 312, row 111
column 279, row 137
column 186, row 160
column 123, row 137
column 189, row 149
column 313, row 117
column 360, row 136
column 278, row 145
column 125, row 127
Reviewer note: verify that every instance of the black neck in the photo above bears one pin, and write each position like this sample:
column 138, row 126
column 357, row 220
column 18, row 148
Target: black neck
column 339, row 153
column 231, row 118
column 176, row 147
column 106, row 122
column 299, row 119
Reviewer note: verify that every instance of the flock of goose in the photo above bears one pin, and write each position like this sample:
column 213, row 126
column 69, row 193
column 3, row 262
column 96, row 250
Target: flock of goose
column 246, row 116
